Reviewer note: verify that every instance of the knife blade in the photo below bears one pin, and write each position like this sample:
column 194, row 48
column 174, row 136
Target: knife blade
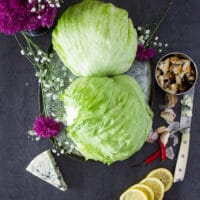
column 185, row 124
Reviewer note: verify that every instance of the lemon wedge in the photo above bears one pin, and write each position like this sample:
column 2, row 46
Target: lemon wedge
column 156, row 185
column 144, row 188
column 164, row 175
column 133, row 194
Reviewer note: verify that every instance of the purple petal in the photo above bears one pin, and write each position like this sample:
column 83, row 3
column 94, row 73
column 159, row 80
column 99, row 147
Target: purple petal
column 16, row 15
column 145, row 54
column 46, row 127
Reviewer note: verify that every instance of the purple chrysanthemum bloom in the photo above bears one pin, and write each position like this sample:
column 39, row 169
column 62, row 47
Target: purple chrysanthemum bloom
column 46, row 127
column 20, row 15
column 145, row 54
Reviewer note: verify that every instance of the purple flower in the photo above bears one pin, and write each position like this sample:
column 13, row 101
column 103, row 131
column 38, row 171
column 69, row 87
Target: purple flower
column 17, row 15
column 46, row 127
column 145, row 54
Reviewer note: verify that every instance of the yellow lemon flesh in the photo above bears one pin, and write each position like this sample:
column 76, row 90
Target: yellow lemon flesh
column 133, row 194
column 164, row 175
column 156, row 185
column 144, row 188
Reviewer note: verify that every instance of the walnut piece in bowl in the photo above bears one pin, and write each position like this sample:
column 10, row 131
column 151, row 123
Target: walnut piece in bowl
column 176, row 73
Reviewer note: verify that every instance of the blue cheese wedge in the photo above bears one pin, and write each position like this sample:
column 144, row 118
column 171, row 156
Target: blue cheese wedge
column 44, row 167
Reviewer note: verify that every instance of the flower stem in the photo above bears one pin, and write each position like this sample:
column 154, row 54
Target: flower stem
column 146, row 44
column 27, row 57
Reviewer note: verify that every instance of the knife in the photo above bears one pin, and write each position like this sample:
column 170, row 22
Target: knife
column 185, row 123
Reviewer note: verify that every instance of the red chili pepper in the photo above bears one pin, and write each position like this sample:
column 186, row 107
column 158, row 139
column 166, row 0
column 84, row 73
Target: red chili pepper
column 163, row 150
column 150, row 159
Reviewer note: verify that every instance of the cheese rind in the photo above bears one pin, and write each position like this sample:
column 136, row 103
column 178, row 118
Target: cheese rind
column 44, row 167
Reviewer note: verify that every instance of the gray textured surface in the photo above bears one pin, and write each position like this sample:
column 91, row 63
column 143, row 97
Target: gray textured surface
column 90, row 181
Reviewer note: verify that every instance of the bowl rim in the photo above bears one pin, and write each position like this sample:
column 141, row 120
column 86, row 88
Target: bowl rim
column 183, row 55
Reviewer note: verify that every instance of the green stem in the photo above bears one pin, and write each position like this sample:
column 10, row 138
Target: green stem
column 146, row 44
column 32, row 44
column 44, row 110
column 37, row 67
column 27, row 57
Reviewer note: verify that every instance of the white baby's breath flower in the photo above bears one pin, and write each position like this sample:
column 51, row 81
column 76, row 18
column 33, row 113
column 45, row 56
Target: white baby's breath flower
column 139, row 28
column 51, row 55
column 62, row 151
column 58, row 5
column 146, row 37
column 44, row 58
column 33, row 9
column 54, row 150
column 70, row 79
column 141, row 39
column 39, row 52
column 46, row 85
column 43, row 7
column 61, row 84
column 52, row 5
column 160, row 50
column 58, row 79
column 37, row 59
column 156, row 38
column 48, row 95
column 30, row 53
column 160, row 44
column 54, row 97
column 147, row 31
column 166, row 45
column 53, row 114
column 155, row 43
column 22, row 52
column 48, row 60
column 37, row 74
column 37, row 138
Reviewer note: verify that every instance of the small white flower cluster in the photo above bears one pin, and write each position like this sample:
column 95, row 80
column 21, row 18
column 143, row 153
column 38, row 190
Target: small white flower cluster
column 60, row 149
column 41, row 6
column 144, row 35
column 32, row 135
column 39, row 56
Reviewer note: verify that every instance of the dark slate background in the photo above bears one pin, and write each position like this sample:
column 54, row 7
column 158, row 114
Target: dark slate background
column 90, row 181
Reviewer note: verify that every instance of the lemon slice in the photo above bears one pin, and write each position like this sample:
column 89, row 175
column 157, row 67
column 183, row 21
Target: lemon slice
column 133, row 194
column 144, row 188
column 156, row 185
column 164, row 175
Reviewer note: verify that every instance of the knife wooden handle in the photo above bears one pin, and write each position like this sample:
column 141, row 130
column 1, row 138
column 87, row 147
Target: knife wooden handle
column 182, row 157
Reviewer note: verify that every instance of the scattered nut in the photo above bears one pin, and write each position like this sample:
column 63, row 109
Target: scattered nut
column 171, row 100
column 168, row 115
column 161, row 129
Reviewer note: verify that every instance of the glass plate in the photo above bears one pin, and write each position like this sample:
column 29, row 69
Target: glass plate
column 62, row 77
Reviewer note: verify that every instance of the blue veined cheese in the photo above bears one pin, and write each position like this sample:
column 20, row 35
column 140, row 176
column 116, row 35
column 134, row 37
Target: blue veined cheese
column 187, row 106
column 44, row 167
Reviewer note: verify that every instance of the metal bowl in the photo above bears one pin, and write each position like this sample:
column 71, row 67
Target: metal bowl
column 180, row 55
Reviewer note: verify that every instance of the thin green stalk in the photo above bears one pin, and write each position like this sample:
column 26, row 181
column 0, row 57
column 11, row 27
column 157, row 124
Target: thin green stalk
column 32, row 44
column 27, row 57
column 44, row 110
column 146, row 44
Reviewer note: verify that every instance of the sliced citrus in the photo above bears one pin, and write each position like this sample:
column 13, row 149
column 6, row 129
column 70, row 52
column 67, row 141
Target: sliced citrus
column 156, row 185
column 144, row 188
column 164, row 175
column 133, row 194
